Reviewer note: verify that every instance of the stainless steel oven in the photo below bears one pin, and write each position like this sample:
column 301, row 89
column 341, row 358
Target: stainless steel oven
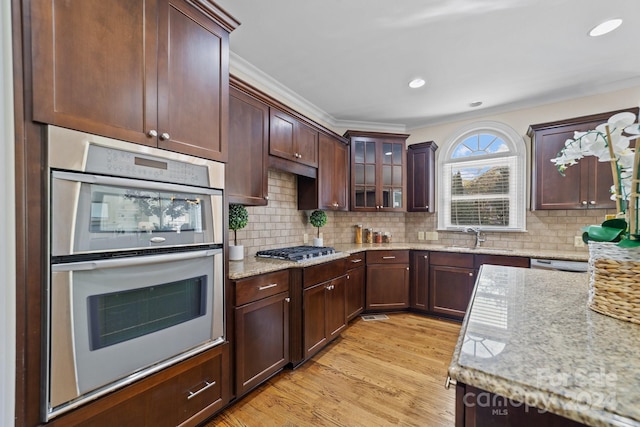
column 136, row 264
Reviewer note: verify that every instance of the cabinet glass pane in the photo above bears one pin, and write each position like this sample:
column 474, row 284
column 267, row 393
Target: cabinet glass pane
column 370, row 152
column 359, row 152
column 386, row 175
column 386, row 197
column 359, row 174
column 371, row 197
column 397, row 175
column 359, row 202
column 365, row 197
column 397, row 198
column 387, row 153
column 370, row 175
column 397, row 154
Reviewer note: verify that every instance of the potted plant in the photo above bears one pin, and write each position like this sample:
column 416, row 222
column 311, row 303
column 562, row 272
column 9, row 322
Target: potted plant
column 318, row 219
column 238, row 219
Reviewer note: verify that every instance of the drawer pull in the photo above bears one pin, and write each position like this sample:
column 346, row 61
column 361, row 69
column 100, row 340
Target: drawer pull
column 262, row 288
column 207, row 385
column 357, row 260
column 448, row 382
column 388, row 257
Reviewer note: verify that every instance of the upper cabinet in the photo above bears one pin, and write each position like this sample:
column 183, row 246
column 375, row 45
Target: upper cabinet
column 421, row 165
column 153, row 72
column 247, row 174
column 292, row 140
column 329, row 191
column 378, row 175
column 586, row 185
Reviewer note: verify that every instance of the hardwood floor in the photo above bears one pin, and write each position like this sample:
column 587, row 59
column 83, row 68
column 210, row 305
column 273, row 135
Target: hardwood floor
column 377, row 373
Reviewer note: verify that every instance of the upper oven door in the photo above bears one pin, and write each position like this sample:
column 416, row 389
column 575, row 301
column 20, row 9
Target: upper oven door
column 96, row 213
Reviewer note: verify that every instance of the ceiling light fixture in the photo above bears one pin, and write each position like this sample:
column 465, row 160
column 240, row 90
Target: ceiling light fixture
column 605, row 27
column 416, row 83
column 475, row 104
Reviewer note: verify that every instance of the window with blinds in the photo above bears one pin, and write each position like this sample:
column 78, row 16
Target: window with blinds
column 482, row 182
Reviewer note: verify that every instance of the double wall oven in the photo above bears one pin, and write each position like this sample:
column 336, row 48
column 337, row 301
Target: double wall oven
column 136, row 264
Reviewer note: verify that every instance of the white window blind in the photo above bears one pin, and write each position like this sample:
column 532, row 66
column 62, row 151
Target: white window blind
column 483, row 181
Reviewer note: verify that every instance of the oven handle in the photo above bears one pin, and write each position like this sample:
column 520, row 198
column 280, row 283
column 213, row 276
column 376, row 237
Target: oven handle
column 128, row 182
column 133, row 261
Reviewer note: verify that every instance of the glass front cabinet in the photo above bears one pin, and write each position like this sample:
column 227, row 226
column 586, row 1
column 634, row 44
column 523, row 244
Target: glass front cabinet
column 378, row 177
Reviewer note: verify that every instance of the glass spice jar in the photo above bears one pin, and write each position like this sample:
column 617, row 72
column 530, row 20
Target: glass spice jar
column 386, row 237
column 358, row 233
column 377, row 237
column 368, row 235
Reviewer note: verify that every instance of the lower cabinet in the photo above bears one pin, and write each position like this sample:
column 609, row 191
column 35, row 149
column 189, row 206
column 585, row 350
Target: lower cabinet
column 419, row 283
column 185, row 395
column 451, row 280
column 387, row 280
column 324, row 313
column 355, row 284
column 477, row 407
column 261, row 328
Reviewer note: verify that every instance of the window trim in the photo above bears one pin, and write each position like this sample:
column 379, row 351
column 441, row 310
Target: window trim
column 517, row 148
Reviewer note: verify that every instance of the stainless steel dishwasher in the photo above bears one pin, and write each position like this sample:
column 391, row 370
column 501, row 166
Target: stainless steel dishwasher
column 559, row 265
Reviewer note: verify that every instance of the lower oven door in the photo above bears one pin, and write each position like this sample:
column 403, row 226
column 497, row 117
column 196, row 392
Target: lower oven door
column 114, row 321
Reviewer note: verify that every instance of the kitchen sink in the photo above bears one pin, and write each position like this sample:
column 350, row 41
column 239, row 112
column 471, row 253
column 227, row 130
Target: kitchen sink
column 481, row 249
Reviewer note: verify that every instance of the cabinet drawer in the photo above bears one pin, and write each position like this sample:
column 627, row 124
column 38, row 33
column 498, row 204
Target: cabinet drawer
column 387, row 257
column 322, row 272
column 450, row 259
column 510, row 261
column 356, row 260
column 265, row 285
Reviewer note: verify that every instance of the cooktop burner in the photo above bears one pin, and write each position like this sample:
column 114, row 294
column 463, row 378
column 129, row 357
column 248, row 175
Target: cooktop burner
column 297, row 253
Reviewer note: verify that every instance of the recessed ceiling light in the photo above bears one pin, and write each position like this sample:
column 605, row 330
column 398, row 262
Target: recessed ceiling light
column 605, row 27
column 416, row 83
column 475, row 104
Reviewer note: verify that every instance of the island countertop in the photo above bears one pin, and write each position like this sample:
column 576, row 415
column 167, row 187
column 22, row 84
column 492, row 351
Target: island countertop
column 529, row 336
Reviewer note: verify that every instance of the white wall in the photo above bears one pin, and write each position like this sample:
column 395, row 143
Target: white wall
column 7, row 225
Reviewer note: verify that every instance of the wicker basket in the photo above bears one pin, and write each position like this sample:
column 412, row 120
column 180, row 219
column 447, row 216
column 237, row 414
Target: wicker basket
column 614, row 285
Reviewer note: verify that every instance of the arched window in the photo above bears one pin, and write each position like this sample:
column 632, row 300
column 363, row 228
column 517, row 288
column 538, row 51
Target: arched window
column 483, row 179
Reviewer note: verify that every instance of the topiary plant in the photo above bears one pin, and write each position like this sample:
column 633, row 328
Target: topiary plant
column 318, row 219
column 238, row 219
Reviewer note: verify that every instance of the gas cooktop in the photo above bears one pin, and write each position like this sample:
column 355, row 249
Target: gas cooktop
column 297, row 253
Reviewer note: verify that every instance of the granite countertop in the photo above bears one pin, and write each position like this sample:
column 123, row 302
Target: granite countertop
column 530, row 336
column 252, row 266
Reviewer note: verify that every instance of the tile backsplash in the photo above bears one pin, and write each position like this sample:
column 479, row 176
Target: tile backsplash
column 281, row 224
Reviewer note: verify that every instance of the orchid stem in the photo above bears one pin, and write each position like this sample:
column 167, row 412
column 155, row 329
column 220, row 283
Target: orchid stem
column 615, row 172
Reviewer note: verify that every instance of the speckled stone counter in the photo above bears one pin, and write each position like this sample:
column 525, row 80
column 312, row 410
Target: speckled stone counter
column 252, row 266
column 529, row 336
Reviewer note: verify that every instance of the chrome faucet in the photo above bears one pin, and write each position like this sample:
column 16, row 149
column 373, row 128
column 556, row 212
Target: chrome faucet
column 479, row 235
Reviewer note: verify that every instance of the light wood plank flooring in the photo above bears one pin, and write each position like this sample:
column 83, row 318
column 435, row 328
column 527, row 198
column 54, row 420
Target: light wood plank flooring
column 378, row 373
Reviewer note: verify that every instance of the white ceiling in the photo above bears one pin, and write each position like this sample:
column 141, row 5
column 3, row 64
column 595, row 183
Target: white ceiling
column 353, row 59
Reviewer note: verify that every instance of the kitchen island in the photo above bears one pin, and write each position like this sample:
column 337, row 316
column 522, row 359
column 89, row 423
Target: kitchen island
column 531, row 352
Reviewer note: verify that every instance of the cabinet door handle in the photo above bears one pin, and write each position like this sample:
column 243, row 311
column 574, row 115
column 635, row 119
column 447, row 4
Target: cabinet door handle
column 266, row 197
column 426, row 257
column 592, row 202
column 388, row 257
column 152, row 133
column 407, row 268
column 165, row 136
column 207, row 385
column 287, row 299
column 357, row 260
column 470, row 274
column 262, row 288
column 426, row 207
column 348, row 277
column 584, row 202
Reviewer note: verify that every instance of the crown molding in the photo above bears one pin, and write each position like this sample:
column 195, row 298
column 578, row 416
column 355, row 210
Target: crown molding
column 247, row 72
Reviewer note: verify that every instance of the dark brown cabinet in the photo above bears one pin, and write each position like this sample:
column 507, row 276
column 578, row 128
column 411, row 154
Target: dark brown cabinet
column 324, row 313
column 329, row 190
column 153, row 72
column 355, row 284
column 419, row 283
column 261, row 328
column 451, row 280
column 185, row 395
column 586, row 185
column 292, row 140
column 378, row 174
column 387, row 280
column 421, row 166
column 247, row 172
